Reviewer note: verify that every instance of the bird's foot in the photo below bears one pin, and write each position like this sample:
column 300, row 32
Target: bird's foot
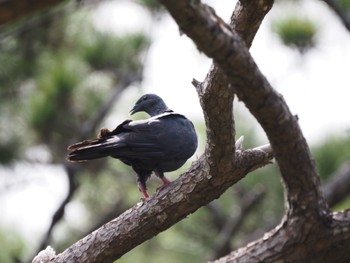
column 144, row 192
column 143, row 199
column 165, row 183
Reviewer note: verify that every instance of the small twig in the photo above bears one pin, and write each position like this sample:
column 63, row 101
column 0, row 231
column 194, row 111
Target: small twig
column 265, row 148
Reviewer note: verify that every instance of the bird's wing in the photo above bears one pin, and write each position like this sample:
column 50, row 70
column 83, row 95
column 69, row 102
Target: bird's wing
column 130, row 139
column 103, row 134
column 161, row 137
column 141, row 139
column 82, row 144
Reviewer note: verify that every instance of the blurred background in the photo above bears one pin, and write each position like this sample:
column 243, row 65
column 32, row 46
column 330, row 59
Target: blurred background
column 79, row 66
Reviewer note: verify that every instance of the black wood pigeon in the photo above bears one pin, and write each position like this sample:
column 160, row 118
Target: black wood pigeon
column 161, row 143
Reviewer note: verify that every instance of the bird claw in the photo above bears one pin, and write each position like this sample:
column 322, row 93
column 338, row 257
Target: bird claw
column 165, row 183
column 144, row 199
column 144, row 192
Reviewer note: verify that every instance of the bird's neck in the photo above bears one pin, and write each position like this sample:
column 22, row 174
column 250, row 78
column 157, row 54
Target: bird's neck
column 159, row 110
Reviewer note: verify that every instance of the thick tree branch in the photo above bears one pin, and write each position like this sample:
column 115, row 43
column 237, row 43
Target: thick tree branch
column 247, row 18
column 213, row 37
column 173, row 203
column 215, row 94
column 297, row 242
column 308, row 214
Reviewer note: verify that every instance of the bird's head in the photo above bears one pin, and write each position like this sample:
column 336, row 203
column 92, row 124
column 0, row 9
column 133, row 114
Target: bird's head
column 150, row 103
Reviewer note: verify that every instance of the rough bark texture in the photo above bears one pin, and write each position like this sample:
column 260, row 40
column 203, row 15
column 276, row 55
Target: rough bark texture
column 170, row 205
column 309, row 231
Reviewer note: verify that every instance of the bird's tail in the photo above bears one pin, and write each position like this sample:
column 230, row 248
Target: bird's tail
column 88, row 150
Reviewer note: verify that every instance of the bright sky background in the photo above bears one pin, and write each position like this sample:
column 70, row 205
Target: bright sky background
column 315, row 86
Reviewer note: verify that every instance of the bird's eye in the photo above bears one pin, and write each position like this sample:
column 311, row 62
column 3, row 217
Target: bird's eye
column 145, row 98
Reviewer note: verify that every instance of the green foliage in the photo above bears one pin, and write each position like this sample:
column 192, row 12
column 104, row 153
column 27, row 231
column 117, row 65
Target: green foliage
column 12, row 246
column 331, row 154
column 151, row 4
column 13, row 67
column 170, row 247
column 8, row 150
column 70, row 83
column 344, row 4
column 106, row 51
column 51, row 85
column 58, row 76
column 296, row 31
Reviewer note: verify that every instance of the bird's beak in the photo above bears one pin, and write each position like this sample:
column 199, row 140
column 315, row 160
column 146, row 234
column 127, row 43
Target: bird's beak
column 134, row 110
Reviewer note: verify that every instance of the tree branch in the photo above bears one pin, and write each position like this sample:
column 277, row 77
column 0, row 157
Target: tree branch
column 212, row 174
column 308, row 214
column 214, row 38
column 308, row 225
column 173, row 203
column 338, row 186
column 297, row 242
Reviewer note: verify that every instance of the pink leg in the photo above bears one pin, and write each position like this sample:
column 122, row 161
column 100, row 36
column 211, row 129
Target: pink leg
column 144, row 192
column 165, row 181
column 163, row 178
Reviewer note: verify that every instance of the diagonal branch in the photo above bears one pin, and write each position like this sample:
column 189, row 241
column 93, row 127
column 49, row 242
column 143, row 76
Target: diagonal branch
column 213, row 37
column 215, row 96
column 172, row 204
column 338, row 186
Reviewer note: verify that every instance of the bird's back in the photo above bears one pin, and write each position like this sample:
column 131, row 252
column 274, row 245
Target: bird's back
column 164, row 142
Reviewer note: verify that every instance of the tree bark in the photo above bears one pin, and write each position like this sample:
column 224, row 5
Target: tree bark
column 173, row 203
column 309, row 231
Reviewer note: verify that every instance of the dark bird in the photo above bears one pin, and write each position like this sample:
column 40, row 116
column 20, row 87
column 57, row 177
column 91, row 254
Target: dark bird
column 161, row 143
